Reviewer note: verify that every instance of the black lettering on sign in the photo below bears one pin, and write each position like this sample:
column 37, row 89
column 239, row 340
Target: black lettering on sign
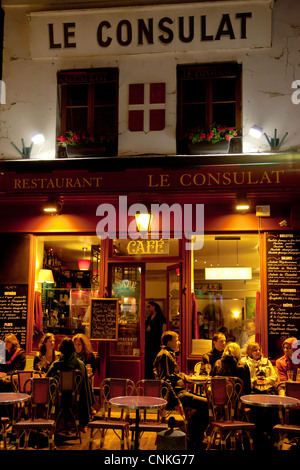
column 283, row 283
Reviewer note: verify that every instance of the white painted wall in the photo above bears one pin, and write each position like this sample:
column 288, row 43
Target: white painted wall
column 268, row 74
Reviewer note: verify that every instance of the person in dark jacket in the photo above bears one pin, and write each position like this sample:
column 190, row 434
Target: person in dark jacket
column 154, row 328
column 69, row 361
column 166, row 368
column 210, row 358
column 15, row 355
column 230, row 366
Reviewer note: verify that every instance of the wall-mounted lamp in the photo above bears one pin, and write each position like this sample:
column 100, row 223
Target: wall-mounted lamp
column 274, row 142
column 242, row 204
column 143, row 221
column 84, row 264
column 26, row 151
column 256, row 131
column 45, row 275
column 53, row 206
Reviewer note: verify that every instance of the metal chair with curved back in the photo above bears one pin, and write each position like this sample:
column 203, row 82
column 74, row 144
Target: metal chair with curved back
column 69, row 388
column 21, row 384
column 40, row 412
column 151, row 422
column 225, row 411
column 111, row 388
column 285, row 428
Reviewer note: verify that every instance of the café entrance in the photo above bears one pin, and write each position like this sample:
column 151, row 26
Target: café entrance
column 135, row 285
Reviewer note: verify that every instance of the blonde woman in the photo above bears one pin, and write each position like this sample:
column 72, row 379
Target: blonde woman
column 15, row 355
column 230, row 366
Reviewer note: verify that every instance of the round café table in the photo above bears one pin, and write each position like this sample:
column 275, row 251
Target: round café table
column 198, row 381
column 137, row 403
column 270, row 401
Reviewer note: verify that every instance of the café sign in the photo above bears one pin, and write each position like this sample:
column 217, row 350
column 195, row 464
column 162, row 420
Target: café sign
column 143, row 29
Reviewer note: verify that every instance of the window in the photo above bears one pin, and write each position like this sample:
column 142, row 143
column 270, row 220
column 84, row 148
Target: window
column 207, row 94
column 89, row 103
column 224, row 305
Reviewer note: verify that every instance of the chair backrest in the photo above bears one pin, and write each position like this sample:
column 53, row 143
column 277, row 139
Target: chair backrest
column 292, row 389
column 153, row 388
column 69, row 386
column 197, row 368
column 21, row 377
column 42, row 396
column 114, row 387
column 223, row 397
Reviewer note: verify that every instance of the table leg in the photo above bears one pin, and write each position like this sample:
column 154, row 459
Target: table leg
column 137, row 420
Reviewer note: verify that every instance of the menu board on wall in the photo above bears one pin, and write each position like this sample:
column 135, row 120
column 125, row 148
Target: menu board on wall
column 283, row 282
column 13, row 311
column 104, row 319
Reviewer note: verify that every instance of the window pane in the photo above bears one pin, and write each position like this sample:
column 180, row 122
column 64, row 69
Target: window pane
column 194, row 116
column 224, row 304
column 193, row 91
column 105, row 93
column 105, row 120
column 76, row 119
column 224, row 114
column 77, row 95
column 224, row 89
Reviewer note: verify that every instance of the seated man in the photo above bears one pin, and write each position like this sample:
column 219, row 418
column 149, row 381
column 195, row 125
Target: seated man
column 210, row 358
column 166, row 368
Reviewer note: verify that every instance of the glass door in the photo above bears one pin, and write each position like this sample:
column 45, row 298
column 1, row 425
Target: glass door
column 174, row 297
column 127, row 353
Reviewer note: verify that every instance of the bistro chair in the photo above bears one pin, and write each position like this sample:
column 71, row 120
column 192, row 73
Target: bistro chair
column 111, row 388
column 225, row 412
column 286, row 429
column 4, row 424
column 68, row 396
column 21, row 384
column 151, row 421
column 41, row 410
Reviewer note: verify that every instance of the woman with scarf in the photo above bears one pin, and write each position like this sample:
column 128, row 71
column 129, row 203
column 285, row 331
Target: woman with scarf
column 290, row 361
column 262, row 373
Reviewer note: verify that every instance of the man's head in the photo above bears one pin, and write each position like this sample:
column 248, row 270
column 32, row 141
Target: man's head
column 219, row 341
column 171, row 340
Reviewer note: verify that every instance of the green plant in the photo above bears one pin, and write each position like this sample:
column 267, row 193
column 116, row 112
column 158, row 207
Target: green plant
column 76, row 139
column 214, row 134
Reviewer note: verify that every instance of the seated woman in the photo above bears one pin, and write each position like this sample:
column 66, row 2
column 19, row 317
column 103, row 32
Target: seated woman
column 84, row 351
column 46, row 354
column 230, row 366
column 262, row 373
column 15, row 355
column 69, row 361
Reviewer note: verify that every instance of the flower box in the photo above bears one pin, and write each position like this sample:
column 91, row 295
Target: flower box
column 204, row 148
column 85, row 150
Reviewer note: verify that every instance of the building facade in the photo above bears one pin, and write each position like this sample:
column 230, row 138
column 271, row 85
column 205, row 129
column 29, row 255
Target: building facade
column 135, row 83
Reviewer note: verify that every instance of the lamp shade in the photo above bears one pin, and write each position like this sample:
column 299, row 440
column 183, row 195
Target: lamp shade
column 45, row 275
column 84, row 264
column 143, row 221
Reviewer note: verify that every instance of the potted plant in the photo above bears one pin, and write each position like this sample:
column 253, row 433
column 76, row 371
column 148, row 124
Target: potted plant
column 79, row 144
column 215, row 140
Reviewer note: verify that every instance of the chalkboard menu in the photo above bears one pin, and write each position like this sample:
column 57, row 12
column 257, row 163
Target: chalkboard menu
column 283, row 281
column 13, row 311
column 104, row 319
